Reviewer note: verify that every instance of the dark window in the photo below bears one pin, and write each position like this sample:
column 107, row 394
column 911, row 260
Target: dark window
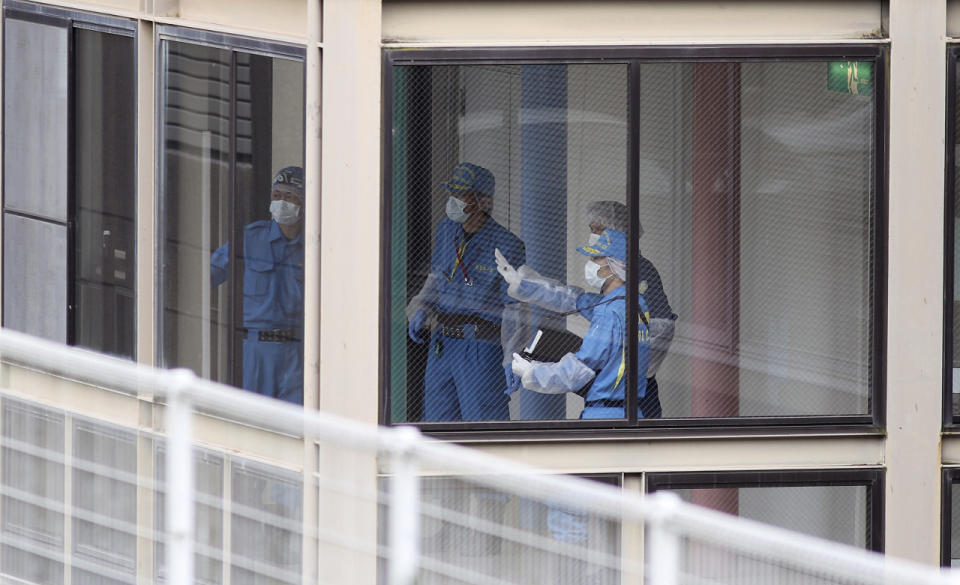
column 735, row 196
column 843, row 506
column 69, row 178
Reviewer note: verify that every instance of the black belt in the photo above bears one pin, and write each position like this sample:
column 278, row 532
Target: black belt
column 607, row 403
column 463, row 331
column 458, row 326
column 277, row 335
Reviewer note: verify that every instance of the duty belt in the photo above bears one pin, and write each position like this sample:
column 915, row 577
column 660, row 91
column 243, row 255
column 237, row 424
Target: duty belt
column 459, row 326
column 277, row 335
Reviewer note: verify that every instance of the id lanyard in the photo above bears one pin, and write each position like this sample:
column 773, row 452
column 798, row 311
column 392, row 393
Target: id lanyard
column 459, row 249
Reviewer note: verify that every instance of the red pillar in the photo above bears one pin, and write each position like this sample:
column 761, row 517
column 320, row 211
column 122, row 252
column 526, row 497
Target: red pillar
column 716, row 252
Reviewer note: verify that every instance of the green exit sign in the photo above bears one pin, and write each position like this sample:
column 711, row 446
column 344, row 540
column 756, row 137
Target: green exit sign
column 855, row 77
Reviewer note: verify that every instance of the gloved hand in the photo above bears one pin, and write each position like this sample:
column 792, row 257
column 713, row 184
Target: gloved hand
column 416, row 325
column 513, row 380
column 506, row 270
column 520, row 366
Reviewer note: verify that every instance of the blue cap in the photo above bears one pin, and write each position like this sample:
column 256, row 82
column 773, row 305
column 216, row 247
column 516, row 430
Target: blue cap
column 471, row 177
column 611, row 243
column 291, row 177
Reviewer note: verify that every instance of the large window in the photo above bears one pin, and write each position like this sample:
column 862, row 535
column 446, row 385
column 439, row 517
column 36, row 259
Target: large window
column 69, row 178
column 728, row 199
column 845, row 506
column 232, row 199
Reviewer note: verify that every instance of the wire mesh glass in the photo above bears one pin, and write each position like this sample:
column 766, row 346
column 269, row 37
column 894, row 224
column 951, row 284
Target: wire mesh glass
column 755, row 194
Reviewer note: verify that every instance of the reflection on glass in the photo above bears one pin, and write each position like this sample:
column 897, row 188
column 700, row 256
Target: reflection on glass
column 232, row 125
column 105, row 191
column 756, row 263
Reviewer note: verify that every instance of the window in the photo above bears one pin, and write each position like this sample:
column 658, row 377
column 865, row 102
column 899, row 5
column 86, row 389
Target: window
column 232, row 139
column 951, row 410
column 740, row 189
column 950, row 519
column 69, row 177
column 839, row 505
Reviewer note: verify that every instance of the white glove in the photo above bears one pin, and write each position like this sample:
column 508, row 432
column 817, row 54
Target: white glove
column 520, row 365
column 507, row 271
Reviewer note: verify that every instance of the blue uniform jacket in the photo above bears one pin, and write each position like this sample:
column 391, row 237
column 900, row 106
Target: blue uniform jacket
column 604, row 346
column 472, row 284
column 651, row 287
column 272, row 276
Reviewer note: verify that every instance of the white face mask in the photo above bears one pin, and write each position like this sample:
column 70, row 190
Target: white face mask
column 592, row 240
column 590, row 270
column 455, row 210
column 284, row 212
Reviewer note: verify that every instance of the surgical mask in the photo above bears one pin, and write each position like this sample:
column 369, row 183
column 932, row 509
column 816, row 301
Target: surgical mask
column 284, row 212
column 593, row 239
column 455, row 210
column 590, row 270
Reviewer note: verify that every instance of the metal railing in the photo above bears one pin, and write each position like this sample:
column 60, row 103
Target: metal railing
column 111, row 472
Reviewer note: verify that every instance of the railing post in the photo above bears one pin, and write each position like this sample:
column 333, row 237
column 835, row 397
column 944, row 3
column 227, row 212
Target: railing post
column 403, row 538
column 179, row 474
column 663, row 549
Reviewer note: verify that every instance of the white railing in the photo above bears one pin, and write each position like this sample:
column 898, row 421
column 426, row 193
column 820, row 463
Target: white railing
column 84, row 498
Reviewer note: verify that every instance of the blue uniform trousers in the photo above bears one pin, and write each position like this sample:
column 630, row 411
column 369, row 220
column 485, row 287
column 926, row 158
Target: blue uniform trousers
column 273, row 368
column 464, row 380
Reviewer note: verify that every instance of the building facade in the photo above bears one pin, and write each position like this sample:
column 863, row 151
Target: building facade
column 788, row 168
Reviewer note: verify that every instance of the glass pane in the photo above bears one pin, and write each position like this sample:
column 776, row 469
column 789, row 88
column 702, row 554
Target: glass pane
column 232, row 122
column 839, row 513
column 756, row 187
column 33, row 480
column 955, row 350
column 105, row 494
column 105, row 153
column 505, row 157
column 954, row 496
column 35, row 277
column 756, row 265
column 266, row 525
column 35, row 119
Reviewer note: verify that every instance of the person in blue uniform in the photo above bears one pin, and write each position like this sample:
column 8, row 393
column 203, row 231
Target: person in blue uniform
column 528, row 286
column 463, row 311
column 272, row 292
column 601, row 359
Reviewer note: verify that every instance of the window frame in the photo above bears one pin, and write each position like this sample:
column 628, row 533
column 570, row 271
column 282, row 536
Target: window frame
column 871, row 478
column 870, row 423
column 71, row 21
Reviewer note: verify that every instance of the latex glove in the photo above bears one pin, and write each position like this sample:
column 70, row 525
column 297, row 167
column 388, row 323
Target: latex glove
column 506, row 270
column 520, row 366
column 416, row 325
column 513, row 380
